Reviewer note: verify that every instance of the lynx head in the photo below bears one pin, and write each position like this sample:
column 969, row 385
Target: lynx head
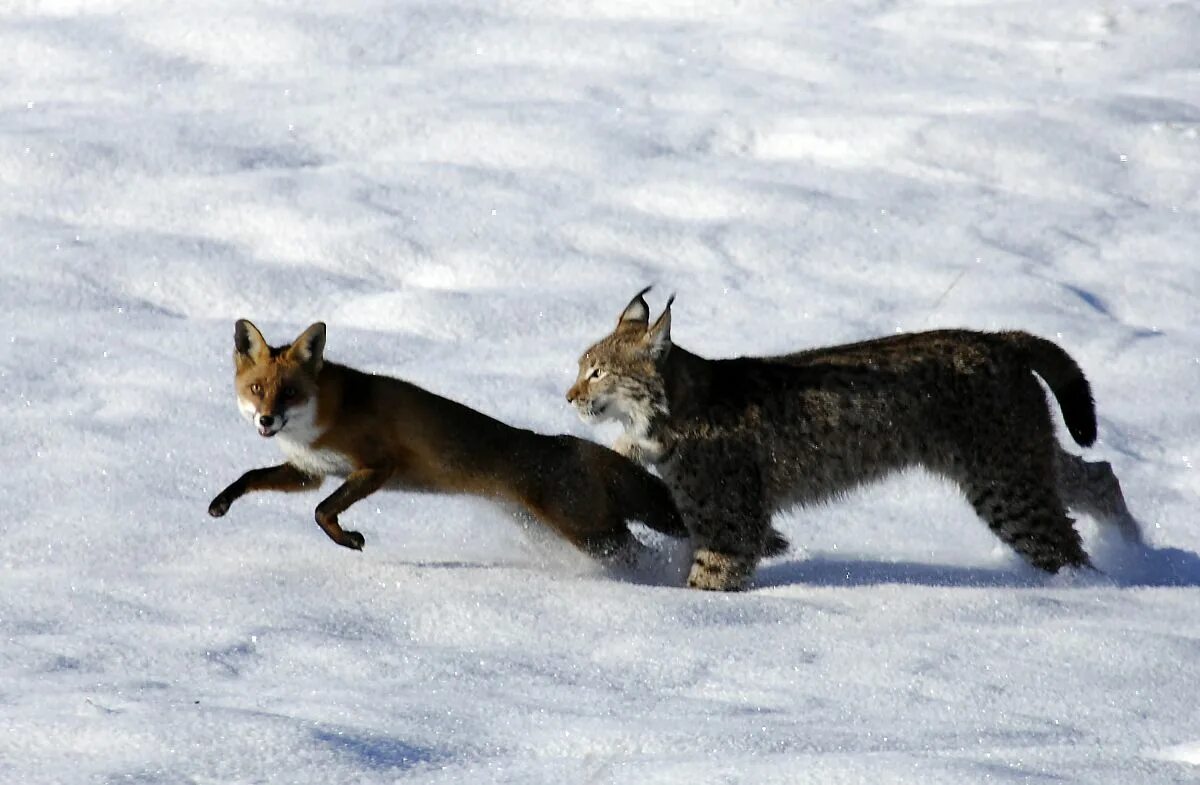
column 620, row 376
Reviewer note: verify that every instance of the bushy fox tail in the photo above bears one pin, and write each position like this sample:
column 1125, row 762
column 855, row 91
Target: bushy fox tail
column 1066, row 381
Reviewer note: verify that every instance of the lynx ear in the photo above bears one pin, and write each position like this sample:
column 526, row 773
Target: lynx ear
column 249, row 346
column 309, row 348
column 658, row 337
column 637, row 312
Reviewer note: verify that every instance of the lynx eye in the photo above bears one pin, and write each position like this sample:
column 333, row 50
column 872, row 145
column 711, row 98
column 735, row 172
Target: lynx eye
column 597, row 374
column 256, row 388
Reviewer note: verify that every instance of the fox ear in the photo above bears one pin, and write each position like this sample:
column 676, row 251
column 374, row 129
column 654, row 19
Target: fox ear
column 637, row 313
column 658, row 337
column 309, row 348
column 249, row 346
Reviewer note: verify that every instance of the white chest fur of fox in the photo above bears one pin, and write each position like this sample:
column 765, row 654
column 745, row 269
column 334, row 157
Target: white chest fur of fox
column 314, row 461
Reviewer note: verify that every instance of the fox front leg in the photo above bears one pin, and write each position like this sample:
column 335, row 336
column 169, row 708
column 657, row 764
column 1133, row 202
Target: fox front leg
column 283, row 477
column 360, row 484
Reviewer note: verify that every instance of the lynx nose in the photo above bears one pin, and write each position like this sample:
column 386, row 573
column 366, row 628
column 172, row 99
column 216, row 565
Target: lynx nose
column 572, row 394
column 266, row 421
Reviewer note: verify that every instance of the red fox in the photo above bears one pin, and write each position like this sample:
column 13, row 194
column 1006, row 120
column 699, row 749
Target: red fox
column 378, row 432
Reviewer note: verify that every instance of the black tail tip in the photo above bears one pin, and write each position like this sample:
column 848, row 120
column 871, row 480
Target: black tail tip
column 1079, row 411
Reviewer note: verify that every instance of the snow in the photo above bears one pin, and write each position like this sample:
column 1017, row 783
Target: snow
column 468, row 193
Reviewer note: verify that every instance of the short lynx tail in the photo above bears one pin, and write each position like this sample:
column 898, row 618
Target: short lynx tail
column 1066, row 381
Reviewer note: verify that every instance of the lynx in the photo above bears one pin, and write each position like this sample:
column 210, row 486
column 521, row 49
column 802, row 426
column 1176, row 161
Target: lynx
column 738, row 439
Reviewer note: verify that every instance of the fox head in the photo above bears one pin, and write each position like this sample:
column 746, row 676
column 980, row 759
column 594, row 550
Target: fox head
column 621, row 375
column 277, row 386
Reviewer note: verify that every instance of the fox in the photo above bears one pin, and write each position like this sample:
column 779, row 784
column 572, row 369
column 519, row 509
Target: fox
column 737, row 440
column 377, row 432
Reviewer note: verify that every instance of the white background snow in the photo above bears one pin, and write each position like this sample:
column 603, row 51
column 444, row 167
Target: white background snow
column 468, row 193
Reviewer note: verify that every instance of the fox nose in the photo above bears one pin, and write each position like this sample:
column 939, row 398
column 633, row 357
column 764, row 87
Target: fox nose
column 266, row 421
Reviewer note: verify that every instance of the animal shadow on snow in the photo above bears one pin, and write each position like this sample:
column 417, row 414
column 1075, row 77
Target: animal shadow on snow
column 377, row 753
column 1130, row 566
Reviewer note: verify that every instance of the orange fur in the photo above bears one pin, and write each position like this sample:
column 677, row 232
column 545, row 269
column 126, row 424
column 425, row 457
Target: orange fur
column 379, row 432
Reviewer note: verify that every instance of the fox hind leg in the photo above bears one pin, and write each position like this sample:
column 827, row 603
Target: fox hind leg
column 616, row 545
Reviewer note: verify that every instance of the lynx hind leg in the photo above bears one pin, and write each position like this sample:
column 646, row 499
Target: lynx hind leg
column 1025, row 512
column 1092, row 488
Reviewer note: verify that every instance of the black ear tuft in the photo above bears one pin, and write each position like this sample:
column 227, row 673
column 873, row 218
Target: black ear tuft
column 637, row 312
column 659, row 334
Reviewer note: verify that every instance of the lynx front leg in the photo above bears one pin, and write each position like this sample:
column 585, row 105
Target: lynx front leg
column 716, row 571
column 360, row 484
column 640, row 450
column 284, row 477
column 721, row 498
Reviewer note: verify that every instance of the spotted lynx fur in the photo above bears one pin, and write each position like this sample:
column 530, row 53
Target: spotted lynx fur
column 738, row 439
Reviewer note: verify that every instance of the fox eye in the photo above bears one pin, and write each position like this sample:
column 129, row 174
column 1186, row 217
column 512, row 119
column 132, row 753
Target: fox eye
column 256, row 388
column 289, row 393
column 597, row 374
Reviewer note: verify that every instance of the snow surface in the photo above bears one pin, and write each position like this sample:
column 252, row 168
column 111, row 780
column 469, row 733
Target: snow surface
column 468, row 193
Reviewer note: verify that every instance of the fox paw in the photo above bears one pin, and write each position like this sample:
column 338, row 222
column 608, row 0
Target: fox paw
column 219, row 507
column 344, row 538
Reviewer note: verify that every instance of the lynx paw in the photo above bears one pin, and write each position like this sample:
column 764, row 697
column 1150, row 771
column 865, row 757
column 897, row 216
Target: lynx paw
column 639, row 449
column 629, row 448
column 712, row 571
